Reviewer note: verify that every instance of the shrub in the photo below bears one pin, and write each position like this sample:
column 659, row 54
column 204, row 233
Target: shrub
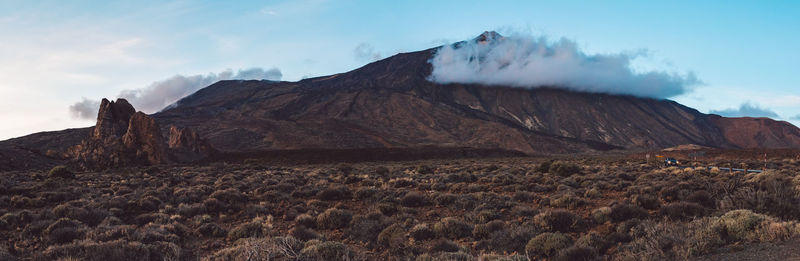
column 230, row 196
column 413, row 199
column 544, row 167
column 334, row 193
column 327, row 250
column 576, row 253
column 306, row 220
column 365, row 193
column 387, row 209
column 365, row 228
column 703, row 198
column 191, row 210
column 622, row 212
column 443, row 245
column 392, row 237
column 333, row 219
column 593, row 240
column 211, row 230
column 682, row 210
column 60, row 171
column 547, row 245
column 303, row 233
column 646, row 201
column 149, row 203
column 452, row 228
column 741, row 223
column 592, row 193
column 559, row 220
column 64, row 230
column 112, row 251
column 601, row 215
column 422, row 232
column 564, row 169
column 482, row 231
column 254, row 228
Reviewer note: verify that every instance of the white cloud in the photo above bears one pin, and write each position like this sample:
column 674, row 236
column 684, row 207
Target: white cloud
column 528, row 62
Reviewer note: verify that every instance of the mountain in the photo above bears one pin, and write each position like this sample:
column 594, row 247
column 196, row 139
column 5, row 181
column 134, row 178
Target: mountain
column 391, row 104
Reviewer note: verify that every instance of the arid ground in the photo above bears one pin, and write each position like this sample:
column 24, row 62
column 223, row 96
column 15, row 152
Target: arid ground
column 520, row 208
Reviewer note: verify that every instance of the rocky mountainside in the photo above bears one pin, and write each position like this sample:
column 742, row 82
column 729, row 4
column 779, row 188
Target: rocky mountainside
column 391, row 104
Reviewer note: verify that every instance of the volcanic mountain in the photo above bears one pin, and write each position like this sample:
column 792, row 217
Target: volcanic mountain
column 391, row 104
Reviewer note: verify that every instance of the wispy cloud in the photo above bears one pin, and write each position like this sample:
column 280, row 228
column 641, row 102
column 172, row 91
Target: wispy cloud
column 161, row 94
column 746, row 109
column 365, row 52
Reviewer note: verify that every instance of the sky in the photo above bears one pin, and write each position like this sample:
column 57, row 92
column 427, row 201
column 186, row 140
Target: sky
column 55, row 54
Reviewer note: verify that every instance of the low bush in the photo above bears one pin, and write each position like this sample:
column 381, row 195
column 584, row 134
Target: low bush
column 682, row 210
column 452, row 228
column 333, row 218
column 413, row 199
column 564, row 169
column 547, row 245
column 559, row 220
column 622, row 212
column 60, row 172
column 576, row 253
column 422, row 232
column 393, row 237
column 254, row 228
column 328, row 250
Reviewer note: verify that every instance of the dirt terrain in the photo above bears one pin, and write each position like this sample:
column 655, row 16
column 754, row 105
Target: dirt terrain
column 578, row 208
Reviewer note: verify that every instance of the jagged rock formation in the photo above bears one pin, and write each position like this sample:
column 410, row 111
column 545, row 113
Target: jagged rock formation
column 121, row 137
column 186, row 145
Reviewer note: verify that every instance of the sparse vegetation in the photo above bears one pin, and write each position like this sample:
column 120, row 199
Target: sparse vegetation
column 556, row 209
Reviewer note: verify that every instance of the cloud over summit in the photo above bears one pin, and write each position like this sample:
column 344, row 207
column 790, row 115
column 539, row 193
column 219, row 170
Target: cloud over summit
column 529, row 62
column 161, row 94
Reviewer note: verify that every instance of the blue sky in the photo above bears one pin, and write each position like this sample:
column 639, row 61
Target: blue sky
column 54, row 53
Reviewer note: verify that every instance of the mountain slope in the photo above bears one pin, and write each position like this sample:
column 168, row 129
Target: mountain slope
column 390, row 103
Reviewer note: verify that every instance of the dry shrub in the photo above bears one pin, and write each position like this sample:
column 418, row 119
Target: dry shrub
column 335, row 193
column 452, row 228
column 255, row 228
column 413, row 199
column 333, row 218
column 576, row 253
column 547, row 245
column 113, row 251
column 261, row 249
column 328, row 250
column 682, row 210
column 622, row 212
column 422, row 232
column 559, row 220
column 392, row 237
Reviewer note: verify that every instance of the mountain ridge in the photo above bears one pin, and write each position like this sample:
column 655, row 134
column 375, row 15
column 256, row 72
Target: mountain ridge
column 391, row 103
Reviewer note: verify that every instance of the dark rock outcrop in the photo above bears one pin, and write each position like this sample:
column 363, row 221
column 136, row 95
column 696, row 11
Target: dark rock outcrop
column 186, row 145
column 113, row 118
column 121, row 137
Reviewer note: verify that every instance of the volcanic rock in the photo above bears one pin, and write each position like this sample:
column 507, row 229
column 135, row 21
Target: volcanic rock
column 121, row 137
column 186, row 145
column 113, row 118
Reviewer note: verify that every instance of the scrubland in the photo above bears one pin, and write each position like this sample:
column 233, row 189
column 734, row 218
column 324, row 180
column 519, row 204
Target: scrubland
column 469, row 209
